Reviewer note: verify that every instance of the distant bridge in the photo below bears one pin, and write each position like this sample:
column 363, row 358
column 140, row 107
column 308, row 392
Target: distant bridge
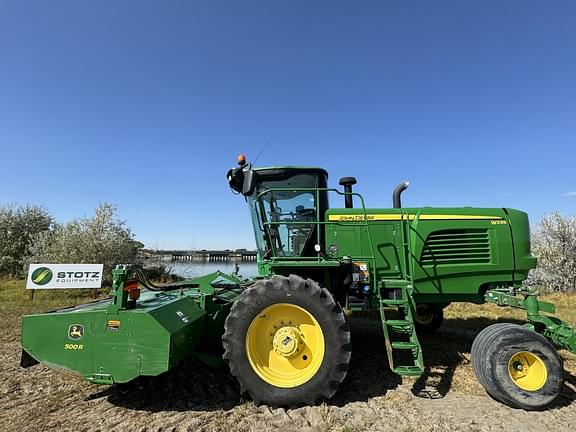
column 204, row 255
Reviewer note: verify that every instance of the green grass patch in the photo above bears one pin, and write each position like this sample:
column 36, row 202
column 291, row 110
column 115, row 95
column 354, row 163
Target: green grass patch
column 13, row 293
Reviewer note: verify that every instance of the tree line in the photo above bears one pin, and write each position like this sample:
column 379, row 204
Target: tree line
column 553, row 241
column 29, row 234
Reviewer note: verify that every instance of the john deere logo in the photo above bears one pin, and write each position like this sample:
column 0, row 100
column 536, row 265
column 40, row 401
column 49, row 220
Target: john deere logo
column 76, row 331
column 42, row 275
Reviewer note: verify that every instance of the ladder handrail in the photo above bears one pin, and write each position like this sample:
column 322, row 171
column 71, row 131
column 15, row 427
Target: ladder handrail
column 411, row 225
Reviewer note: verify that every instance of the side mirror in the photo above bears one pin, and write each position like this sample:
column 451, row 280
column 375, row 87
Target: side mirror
column 250, row 181
column 235, row 178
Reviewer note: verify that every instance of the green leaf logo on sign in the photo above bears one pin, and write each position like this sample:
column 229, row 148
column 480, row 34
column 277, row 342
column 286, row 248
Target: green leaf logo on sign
column 42, row 276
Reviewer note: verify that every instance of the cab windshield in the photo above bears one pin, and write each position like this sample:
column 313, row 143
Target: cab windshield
column 284, row 213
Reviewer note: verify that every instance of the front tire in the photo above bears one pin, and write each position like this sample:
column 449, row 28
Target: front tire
column 517, row 366
column 286, row 341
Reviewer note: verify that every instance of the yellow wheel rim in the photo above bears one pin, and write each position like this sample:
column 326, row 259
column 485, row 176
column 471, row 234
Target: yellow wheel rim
column 527, row 371
column 285, row 345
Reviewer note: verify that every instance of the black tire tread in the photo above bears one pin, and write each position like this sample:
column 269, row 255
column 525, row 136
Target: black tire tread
column 482, row 340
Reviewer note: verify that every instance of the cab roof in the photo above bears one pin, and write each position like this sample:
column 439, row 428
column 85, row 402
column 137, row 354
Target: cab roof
column 288, row 170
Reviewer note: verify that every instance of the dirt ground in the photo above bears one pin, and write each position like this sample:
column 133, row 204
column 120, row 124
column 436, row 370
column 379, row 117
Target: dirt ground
column 197, row 398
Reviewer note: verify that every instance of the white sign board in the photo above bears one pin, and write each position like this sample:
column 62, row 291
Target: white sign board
column 41, row 276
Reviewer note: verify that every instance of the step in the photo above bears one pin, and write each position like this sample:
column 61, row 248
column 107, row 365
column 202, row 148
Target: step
column 387, row 302
column 393, row 294
column 409, row 370
column 405, row 345
column 394, row 283
column 398, row 323
column 356, row 304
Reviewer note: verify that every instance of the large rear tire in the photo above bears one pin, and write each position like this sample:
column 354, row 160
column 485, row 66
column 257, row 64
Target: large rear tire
column 287, row 343
column 517, row 366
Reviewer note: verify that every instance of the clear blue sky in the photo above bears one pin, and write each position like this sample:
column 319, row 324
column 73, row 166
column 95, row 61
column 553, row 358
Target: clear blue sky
column 146, row 105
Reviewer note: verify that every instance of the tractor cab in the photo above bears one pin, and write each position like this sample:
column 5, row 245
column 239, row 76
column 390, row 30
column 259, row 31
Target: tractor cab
column 287, row 205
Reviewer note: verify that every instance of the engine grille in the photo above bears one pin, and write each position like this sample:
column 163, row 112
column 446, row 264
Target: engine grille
column 457, row 246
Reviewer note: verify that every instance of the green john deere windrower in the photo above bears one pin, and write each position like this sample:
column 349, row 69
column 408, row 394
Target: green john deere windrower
column 285, row 334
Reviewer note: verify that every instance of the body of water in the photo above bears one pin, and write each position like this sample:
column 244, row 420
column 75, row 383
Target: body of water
column 193, row 269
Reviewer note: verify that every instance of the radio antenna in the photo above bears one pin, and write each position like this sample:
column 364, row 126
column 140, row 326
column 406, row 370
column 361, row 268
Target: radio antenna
column 262, row 149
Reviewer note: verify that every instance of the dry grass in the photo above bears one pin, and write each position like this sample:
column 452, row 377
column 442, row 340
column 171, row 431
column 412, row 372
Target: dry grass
column 565, row 309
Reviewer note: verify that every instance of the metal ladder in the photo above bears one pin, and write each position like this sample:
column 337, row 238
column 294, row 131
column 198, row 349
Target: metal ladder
column 402, row 344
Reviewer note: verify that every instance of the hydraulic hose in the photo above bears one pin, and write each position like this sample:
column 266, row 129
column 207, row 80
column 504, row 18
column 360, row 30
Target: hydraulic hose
column 141, row 276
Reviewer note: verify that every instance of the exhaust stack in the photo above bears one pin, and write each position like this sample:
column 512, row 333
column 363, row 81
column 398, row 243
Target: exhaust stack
column 396, row 202
column 348, row 182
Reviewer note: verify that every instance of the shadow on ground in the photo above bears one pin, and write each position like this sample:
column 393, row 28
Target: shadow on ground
column 194, row 386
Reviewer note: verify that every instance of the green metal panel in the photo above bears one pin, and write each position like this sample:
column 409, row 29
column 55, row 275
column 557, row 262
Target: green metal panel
column 461, row 257
column 147, row 340
column 520, row 231
column 451, row 254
